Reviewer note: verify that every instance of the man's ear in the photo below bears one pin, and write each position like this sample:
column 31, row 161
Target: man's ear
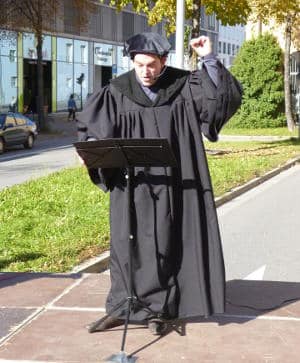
column 164, row 60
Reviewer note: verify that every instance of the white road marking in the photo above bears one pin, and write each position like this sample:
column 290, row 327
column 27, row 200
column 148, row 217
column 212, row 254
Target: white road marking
column 257, row 274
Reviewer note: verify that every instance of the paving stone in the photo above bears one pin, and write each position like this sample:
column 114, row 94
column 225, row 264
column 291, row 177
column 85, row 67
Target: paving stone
column 11, row 318
column 32, row 289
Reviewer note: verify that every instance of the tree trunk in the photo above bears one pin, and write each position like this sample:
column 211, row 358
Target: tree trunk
column 40, row 75
column 196, row 19
column 287, row 87
column 40, row 83
column 259, row 26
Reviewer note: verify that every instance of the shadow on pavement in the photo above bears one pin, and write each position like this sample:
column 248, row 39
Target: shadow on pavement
column 248, row 299
column 16, row 278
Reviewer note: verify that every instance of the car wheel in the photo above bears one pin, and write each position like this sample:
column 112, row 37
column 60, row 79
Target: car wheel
column 1, row 146
column 29, row 142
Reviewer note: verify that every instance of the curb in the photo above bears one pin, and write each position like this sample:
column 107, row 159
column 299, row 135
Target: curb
column 254, row 182
column 101, row 263
column 93, row 265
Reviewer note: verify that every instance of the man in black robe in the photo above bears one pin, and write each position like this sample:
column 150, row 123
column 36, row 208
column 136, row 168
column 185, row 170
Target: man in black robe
column 178, row 268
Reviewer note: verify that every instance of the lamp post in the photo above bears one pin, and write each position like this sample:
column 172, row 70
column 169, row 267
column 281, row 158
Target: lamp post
column 79, row 80
column 180, row 16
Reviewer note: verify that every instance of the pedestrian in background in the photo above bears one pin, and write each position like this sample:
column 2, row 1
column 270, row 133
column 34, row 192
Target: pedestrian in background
column 72, row 108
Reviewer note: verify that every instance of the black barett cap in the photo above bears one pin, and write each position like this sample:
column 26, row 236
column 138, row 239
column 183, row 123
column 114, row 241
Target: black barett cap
column 147, row 43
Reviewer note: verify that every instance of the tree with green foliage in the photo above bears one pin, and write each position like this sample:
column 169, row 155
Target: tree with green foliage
column 259, row 68
column 230, row 12
column 285, row 13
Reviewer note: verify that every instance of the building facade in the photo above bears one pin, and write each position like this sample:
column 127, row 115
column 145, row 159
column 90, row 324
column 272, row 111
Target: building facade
column 95, row 53
column 230, row 40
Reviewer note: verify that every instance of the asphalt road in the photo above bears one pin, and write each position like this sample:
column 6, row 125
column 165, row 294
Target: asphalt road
column 261, row 231
column 18, row 165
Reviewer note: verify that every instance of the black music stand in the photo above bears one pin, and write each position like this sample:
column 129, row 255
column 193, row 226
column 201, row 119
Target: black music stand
column 127, row 154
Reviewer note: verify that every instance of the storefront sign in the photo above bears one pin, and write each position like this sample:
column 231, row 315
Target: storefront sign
column 103, row 54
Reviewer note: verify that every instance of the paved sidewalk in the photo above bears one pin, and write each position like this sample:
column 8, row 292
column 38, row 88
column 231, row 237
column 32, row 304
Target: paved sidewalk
column 59, row 127
column 43, row 318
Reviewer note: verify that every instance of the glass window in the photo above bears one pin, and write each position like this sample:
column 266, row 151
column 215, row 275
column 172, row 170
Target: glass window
column 20, row 121
column 63, row 49
column 103, row 54
column 123, row 63
column 8, row 43
column 229, row 48
column 211, row 21
column 220, row 47
column 171, row 60
column 47, row 47
column 69, row 52
column 14, row 82
column 2, row 119
column 13, row 55
column 8, row 82
column 128, row 25
column 69, row 82
column 233, row 49
column 80, row 52
column 29, row 46
column 29, row 49
column 83, row 54
column 224, row 48
column 64, row 84
column 10, row 121
column 78, row 70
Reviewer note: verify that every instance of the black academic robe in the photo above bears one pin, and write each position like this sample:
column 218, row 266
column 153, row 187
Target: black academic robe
column 177, row 254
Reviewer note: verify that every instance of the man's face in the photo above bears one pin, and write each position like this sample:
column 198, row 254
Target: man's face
column 148, row 67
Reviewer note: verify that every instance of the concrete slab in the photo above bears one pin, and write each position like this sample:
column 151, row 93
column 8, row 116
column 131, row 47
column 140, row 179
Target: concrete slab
column 11, row 318
column 58, row 336
column 91, row 292
column 32, row 289
column 58, row 332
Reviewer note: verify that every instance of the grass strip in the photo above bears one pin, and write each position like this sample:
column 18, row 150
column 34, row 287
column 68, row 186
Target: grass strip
column 234, row 163
column 55, row 222
column 275, row 131
column 52, row 223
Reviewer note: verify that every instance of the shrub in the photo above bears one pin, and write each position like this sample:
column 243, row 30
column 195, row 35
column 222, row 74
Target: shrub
column 259, row 68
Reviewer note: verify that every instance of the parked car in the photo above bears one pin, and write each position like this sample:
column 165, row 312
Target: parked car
column 16, row 129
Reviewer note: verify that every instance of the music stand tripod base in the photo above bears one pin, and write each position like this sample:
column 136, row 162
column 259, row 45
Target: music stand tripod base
column 121, row 358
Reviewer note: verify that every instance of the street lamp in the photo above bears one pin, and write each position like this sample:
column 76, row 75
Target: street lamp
column 79, row 80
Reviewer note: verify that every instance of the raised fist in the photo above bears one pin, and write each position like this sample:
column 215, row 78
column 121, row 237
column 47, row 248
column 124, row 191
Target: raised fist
column 201, row 45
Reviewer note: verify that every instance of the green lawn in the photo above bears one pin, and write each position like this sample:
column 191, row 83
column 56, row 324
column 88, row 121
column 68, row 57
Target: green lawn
column 52, row 223
column 240, row 162
column 55, row 222
column 278, row 131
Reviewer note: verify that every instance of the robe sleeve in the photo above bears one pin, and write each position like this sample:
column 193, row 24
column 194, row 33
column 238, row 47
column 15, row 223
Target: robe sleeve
column 214, row 105
column 95, row 122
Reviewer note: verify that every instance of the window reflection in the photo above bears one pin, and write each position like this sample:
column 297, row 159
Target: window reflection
column 69, row 52
column 29, row 46
column 80, row 51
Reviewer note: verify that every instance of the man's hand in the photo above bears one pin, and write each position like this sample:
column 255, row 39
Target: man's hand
column 202, row 45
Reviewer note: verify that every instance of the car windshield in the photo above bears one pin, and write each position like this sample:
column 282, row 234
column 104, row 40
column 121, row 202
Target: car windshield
column 2, row 120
